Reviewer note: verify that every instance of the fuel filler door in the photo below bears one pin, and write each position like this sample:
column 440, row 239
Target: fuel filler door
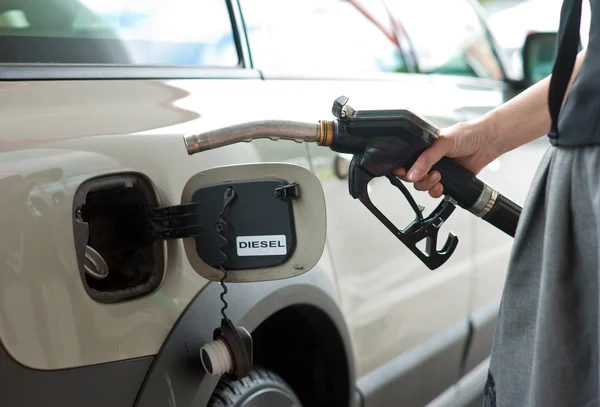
column 258, row 222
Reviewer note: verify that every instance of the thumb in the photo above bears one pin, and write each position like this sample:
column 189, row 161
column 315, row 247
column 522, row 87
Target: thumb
column 441, row 147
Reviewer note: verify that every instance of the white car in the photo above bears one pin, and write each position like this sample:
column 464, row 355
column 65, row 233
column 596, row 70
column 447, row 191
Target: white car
column 95, row 99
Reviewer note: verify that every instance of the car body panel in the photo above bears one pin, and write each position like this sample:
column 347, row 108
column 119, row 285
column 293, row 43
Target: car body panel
column 76, row 137
column 174, row 375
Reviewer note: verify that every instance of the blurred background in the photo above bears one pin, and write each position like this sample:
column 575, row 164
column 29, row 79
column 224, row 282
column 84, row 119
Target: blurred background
column 511, row 20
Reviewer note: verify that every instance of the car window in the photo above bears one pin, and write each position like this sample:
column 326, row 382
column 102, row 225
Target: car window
column 321, row 37
column 448, row 37
column 130, row 32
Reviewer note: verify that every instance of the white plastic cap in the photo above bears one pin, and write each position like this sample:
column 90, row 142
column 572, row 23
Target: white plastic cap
column 216, row 358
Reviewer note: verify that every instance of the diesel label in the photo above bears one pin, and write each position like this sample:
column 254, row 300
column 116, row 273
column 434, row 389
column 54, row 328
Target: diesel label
column 271, row 245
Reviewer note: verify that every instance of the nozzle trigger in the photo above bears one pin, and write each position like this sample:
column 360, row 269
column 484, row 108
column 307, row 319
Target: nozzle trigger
column 421, row 228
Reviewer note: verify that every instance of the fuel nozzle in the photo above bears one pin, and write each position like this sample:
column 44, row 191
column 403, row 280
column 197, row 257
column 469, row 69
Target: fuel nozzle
column 381, row 141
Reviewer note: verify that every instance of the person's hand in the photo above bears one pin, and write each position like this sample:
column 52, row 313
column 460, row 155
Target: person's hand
column 468, row 143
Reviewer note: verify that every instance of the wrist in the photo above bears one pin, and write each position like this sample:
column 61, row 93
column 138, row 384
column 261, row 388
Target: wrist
column 488, row 132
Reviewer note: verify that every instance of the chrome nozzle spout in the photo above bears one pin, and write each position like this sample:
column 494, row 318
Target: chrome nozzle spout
column 320, row 133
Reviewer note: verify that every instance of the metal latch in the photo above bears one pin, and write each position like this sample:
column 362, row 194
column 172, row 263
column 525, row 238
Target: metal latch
column 286, row 192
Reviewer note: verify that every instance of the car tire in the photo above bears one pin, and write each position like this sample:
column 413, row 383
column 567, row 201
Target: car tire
column 261, row 387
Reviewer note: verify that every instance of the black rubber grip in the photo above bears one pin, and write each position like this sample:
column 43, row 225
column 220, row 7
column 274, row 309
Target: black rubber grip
column 504, row 215
column 459, row 183
column 462, row 185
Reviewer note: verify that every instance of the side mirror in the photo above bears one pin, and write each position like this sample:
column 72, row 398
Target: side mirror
column 539, row 53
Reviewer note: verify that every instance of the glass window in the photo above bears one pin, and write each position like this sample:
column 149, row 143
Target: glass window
column 131, row 32
column 448, row 37
column 321, row 37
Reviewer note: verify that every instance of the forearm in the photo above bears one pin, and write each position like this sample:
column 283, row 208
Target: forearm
column 524, row 118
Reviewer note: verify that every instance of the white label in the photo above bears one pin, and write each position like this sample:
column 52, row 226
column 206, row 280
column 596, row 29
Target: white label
column 261, row 245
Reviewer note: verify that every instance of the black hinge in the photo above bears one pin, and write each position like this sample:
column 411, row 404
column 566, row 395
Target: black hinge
column 147, row 224
column 173, row 222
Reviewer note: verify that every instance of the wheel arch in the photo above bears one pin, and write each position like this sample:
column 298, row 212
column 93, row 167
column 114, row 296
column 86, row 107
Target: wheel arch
column 304, row 302
column 303, row 345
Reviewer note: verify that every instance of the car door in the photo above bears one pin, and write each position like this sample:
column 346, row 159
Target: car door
column 462, row 50
column 404, row 319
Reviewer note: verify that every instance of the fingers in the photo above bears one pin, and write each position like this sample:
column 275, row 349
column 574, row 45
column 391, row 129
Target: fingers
column 400, row 173
column 420, row 173
column 431, row 183
column 428, row 158
column 436, row 191
column 428, row 182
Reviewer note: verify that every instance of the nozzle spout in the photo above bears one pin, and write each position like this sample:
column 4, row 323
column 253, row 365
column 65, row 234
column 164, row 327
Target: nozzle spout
column 246, row 132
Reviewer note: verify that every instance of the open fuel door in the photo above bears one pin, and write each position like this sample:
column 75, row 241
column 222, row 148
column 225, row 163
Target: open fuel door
column 260, row 222
column 257, row 222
